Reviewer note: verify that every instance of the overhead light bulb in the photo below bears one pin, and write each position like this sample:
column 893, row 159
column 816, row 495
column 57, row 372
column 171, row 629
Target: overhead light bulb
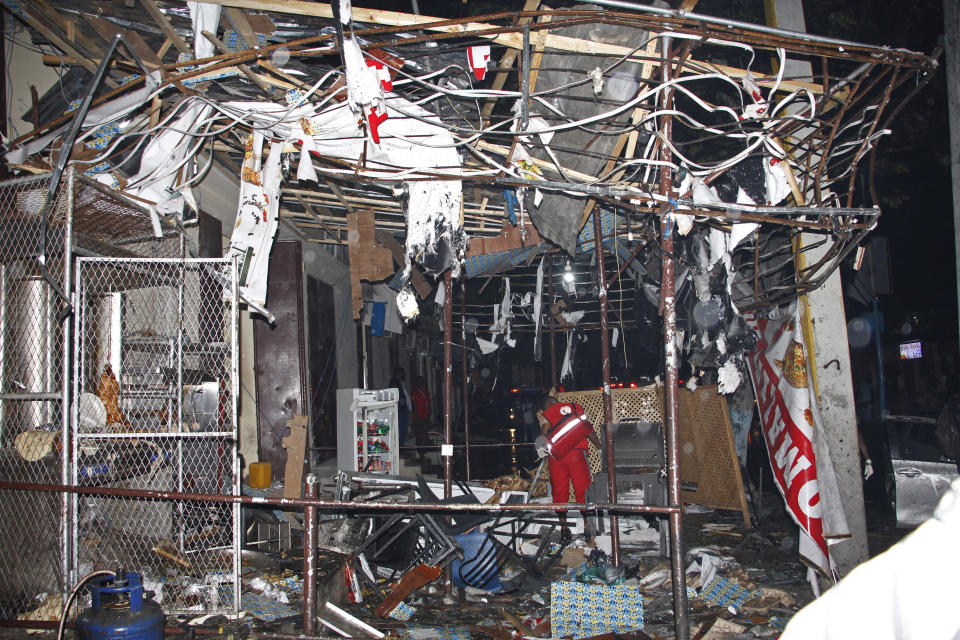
column 568, row 273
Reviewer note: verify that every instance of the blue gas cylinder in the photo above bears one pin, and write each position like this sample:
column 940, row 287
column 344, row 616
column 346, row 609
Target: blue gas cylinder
column 119, row 611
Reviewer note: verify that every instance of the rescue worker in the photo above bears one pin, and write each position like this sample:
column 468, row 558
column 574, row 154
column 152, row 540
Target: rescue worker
column 565, row 431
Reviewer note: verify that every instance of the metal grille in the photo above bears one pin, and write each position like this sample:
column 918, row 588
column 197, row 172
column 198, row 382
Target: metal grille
column 31, row 394
column 86, row 218
column 154, row 403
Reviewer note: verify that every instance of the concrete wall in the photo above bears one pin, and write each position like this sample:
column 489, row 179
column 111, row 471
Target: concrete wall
column 25, row 68
column 320, row 264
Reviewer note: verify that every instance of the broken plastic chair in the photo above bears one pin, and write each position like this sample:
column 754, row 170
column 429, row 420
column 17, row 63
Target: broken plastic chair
column 455, row 523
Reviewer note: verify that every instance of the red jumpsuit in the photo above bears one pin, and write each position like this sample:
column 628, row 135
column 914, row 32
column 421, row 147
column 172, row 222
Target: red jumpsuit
column 573, row 464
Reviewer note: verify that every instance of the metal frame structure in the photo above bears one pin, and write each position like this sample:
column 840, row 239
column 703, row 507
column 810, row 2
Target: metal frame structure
column 821, row 140
column 80, row 218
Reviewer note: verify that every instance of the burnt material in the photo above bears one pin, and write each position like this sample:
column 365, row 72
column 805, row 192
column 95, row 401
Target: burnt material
column 279, row 356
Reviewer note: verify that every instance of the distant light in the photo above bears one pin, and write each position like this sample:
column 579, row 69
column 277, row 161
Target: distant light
column 561, row 389
column 515, row 390
column 568, row 272
column 633, row 385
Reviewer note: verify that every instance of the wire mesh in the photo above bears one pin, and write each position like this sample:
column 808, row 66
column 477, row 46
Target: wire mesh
column 31, row 407
column 155, row 405
column 84, row 217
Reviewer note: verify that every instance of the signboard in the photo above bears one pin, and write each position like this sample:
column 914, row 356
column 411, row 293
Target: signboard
column 788, row 411
column 911, row 350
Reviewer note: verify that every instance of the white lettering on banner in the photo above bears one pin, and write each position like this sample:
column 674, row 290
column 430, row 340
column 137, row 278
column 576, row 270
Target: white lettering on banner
column 788, row 443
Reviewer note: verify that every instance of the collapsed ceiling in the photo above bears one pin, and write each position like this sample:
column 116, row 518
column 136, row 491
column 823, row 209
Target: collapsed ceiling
column 509, row 130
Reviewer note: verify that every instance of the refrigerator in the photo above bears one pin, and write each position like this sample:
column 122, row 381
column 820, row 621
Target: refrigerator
column 367, row 431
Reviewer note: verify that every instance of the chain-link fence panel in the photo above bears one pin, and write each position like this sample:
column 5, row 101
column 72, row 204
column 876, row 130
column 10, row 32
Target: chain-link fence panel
column 31, row 394
column 36, row 257
column 154, row 390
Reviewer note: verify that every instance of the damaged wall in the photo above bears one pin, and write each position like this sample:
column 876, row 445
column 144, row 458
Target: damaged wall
column 30, row 71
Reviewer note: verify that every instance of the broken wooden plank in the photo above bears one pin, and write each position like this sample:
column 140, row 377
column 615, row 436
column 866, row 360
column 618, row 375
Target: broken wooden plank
column 368, row 260
column 508, row 239
column 163, row 22
column 296, row 446
column 238, row 20
column 261, row 23
column 51, row 34
column 512, row 40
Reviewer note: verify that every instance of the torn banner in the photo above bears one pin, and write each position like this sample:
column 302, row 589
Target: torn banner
column 793, row 432
column 258, row 216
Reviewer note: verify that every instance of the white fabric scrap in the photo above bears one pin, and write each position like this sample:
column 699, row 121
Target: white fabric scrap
column 205, row 17
column 346, row 11
column 573, row 317
column 567, row 368
column 441, row 295
column 728, row 377
column 775, row 179
column 703, row 194
column 538, row 307
column 684, row 222
column 305, row 169
column 486, row 346
column 363, row 86
column 407, row 304
column 740, row 231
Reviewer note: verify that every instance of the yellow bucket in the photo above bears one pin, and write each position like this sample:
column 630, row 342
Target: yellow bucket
column 259, row 475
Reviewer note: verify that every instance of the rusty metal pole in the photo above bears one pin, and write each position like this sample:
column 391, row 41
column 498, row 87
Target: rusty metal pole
column 553, row 334
column 447, row 450
column 607, row 403
column 310, row 558
column 463, row 360
column 669, row 311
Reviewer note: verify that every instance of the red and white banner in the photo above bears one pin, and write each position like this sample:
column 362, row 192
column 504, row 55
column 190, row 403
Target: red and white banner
column 790, row 419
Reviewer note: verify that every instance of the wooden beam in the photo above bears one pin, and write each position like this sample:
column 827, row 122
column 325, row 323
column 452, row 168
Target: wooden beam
column 309, row 208
column 543, row 164
column 507, row 61
column 164, row 23
column 142, row 50
column 106, row 30
column 339, row 194
column 68, row 27
column 512, row 40
column 50, row 34
column 238, row 20
column 260, row 83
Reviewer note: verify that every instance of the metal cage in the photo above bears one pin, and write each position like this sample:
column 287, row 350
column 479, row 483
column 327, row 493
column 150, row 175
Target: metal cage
column 155, row 408
column 41, row 532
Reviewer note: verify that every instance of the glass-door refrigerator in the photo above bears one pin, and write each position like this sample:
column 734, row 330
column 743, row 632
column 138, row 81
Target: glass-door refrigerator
column 367, row 437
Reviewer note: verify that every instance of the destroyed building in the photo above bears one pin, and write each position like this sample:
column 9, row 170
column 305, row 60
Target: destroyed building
column 283, row 284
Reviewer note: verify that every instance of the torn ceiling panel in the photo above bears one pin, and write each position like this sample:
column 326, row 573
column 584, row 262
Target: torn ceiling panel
column 432, row 143
column 591, row 86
